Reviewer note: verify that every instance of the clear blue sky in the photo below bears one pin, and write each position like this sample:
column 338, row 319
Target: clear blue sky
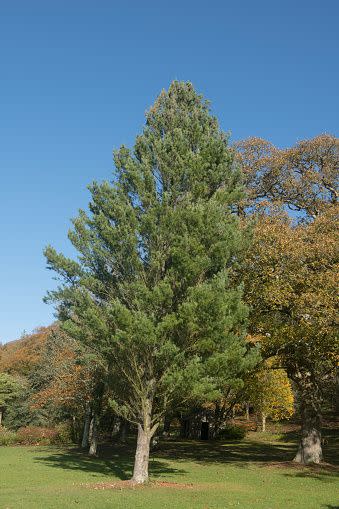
column 77, row 76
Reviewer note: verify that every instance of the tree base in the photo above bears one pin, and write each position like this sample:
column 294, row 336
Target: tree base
column 310, row 450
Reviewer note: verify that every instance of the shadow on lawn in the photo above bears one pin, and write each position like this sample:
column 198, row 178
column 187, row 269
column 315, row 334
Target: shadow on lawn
column 118, row 459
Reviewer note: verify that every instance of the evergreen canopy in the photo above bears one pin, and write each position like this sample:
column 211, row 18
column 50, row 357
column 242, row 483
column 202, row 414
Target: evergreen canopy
column 150, row 290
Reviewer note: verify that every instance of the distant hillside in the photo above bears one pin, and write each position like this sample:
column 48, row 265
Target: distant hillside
column 21, row 355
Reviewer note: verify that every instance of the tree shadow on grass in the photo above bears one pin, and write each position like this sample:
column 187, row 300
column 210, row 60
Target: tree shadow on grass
column 111, row 462
column 242, row 454
column 117, row 459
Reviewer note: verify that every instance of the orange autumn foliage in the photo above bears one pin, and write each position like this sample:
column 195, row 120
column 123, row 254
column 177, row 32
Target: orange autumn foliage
column 21, row 356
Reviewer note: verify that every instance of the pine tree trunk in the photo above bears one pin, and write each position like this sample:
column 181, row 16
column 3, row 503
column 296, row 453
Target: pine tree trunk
column 93, row 437
column 140, row 471
column 145, row 434
column 263, row 422
column 310, row 449
column 0, row 418
column 85, row 435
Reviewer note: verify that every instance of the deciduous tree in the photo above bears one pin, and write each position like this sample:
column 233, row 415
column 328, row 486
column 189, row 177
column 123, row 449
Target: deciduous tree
column 270, row 392
column 291, row 279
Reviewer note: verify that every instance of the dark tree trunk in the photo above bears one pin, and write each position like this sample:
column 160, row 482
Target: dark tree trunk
column 167, row 426
column 185, row 428
column 124, row 428
column 310, row 450
column 337, row 392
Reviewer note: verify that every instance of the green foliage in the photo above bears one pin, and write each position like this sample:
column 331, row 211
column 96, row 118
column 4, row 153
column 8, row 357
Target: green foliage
column 64, row 433
column 10, row 389
column 231, row 432
column 151, row 290
column 270, row 392
column 7, row 437
column 19, row 412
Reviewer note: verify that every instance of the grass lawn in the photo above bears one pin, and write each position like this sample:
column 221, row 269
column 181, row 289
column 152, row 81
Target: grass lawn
column 247, row 474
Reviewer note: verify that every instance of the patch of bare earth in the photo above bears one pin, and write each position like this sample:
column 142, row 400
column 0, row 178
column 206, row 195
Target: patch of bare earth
column 318, row 468
column 122, row 485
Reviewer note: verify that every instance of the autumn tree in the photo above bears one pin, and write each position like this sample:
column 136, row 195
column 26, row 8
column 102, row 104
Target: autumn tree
column 291, row 270
column 69, row 381
column 20, row 357
column 303, row 178
column 270, row 392
column 150, row 289
column 291, row 277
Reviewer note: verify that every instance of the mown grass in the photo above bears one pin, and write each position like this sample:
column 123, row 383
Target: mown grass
column 249, row 474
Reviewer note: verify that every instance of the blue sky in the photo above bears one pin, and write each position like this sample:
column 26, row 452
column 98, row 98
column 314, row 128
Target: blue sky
column 76, row 78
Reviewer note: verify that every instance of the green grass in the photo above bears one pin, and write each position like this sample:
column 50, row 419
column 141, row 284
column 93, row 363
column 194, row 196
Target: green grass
column 243, row 475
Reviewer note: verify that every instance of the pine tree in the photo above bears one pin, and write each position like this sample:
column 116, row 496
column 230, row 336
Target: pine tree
column 150, row 289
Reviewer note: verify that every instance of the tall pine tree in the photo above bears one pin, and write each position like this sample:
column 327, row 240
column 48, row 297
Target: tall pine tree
column 150, row 289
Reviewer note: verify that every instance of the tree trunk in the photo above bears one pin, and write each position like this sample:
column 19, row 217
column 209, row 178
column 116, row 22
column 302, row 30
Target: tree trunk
column 84, row 443
column 145, row 434
column 167, row 426
column 263, row 422
column 337, row 392
column 73, row 429
column 310, row 450
column 124, row 430
column 93, row 437
column 140, row 471
column 247, row 411
column 0, row 418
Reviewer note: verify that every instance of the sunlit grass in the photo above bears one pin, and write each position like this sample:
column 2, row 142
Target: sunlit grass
column 248, row 474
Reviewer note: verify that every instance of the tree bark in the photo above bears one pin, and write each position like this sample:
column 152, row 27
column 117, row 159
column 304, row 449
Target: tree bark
column 263, row 422
column 0, row 418
column 140, row 471
column 310, row 449
column 337, row 391
column 93, row 437
column 85, row 435
column 145, row 434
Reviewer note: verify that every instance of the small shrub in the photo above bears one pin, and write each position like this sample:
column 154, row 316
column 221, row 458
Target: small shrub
column 64, row 434
column 34, row 435
column 231, row 432
column 7, row 437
